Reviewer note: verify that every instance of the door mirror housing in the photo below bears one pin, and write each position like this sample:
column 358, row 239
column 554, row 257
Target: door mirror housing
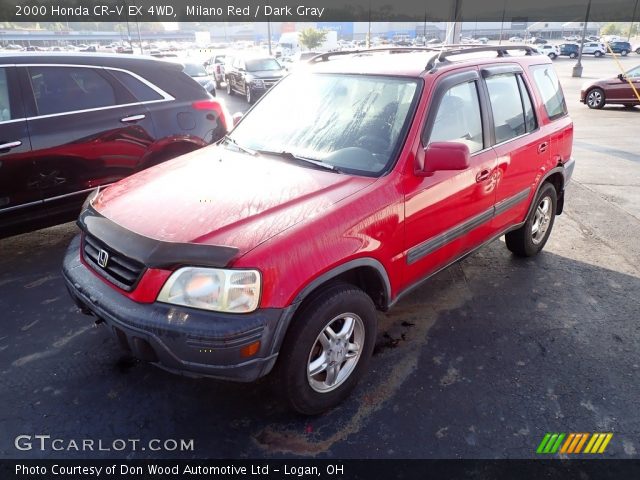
column 443, row 156
column 236, row 118
column 622, row 77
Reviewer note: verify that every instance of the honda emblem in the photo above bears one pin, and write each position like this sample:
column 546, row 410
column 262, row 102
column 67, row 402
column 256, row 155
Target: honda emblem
column 103, row 258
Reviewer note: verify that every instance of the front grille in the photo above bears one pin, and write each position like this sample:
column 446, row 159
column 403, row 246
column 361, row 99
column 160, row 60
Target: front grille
column 270, row 83
column 119, row 269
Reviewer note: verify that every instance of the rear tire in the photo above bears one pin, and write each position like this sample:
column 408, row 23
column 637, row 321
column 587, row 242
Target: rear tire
column 624, row 53
column 597, row 54
column 552, row 56
column 339, row 357
column 229, row 89
column 595, row 98
column 531, row 237
column 573, row 55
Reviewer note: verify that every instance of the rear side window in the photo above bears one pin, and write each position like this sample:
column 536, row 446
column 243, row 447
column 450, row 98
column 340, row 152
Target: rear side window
column 458, row 118
column 550, row 90
column 142, row 92
column 68, row 89
column 5, row 103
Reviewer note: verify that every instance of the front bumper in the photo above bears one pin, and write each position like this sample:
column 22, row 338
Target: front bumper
column 182, row 340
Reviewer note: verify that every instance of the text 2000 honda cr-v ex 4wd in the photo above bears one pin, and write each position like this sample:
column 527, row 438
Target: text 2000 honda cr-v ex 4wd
column 350, row 182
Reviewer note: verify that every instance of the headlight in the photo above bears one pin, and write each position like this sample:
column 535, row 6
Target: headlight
column 233, row 291
column 257, row 83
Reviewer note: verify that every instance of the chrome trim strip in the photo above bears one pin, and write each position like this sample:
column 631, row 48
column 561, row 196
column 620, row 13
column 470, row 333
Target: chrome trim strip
column 434, row 243
column 47, row 200
column 165, row 96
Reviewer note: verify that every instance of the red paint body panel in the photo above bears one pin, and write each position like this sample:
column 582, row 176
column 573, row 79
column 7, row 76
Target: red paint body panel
column 294, row 224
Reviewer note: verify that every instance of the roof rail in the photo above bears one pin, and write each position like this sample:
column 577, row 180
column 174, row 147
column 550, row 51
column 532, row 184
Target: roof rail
column 323, row 57
column 460, row 49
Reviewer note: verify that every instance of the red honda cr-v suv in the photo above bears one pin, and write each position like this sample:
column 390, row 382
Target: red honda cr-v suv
column 275, row 247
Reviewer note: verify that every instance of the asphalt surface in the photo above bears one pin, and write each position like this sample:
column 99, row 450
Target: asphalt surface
column 480, row 362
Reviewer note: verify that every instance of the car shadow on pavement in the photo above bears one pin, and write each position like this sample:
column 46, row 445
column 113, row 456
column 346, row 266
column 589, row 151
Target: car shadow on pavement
column 480, row 361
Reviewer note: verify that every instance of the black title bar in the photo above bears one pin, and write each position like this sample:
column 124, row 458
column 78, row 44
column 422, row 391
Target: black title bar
column 313, row 10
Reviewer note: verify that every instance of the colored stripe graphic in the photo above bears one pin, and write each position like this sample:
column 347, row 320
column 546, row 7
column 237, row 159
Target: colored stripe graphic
column 553, row 443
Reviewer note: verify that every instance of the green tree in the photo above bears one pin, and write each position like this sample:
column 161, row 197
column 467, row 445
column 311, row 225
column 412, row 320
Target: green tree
column 312, row 38
column 610, row 29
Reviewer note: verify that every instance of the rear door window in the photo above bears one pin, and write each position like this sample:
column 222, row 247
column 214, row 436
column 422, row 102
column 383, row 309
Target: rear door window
column 550, row 90
column 69, row 89
column 506, row 105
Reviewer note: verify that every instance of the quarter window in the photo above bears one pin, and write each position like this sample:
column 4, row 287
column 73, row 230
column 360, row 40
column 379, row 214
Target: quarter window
column 138, row 89
column 458, row 118
column 68, row 89
column 549, row 87
column 5, row 103
column 529, row 114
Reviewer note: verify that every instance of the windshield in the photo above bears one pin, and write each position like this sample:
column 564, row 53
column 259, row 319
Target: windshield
column 194, row 70
column 262, row 64
column 352, row 122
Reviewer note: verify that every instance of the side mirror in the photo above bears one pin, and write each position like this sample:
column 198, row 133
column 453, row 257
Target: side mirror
column 236, row 118
column 443, row 156
column 621, row 77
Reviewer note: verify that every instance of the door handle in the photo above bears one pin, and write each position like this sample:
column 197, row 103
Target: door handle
column 483, row 175
column 10, row 145
column 132, row 118
column 542, row 147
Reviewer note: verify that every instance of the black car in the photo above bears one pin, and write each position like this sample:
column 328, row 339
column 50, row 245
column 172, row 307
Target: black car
column 570, row 50
column 252, row 76
column 72, row 122
column 623, row 48
column 198, row 72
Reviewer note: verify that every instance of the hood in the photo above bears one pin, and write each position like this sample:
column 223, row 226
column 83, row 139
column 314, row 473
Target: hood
column 217, row 197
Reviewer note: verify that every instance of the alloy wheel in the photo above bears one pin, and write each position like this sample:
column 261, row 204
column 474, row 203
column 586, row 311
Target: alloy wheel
column 541, row 220
column 335, row 353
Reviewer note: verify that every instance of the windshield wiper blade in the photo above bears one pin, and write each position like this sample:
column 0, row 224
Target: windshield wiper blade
column 291, row 156
column 230, row 140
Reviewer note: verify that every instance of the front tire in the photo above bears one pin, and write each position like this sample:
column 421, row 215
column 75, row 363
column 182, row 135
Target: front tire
column 624, row 53
column 552, row 56
column 229, row 89
column 598, row 53
column 529, row 239
column 327, row 349
column 596, row 98
column 249, row 95
column 573, row 55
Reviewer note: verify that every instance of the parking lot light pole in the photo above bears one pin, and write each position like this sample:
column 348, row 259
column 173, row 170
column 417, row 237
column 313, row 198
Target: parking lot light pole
column 633, row 19
column 577, row 69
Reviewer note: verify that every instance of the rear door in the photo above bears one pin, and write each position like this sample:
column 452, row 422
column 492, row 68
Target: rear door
column 18, row 185
column 86, row 128
column 521, row 145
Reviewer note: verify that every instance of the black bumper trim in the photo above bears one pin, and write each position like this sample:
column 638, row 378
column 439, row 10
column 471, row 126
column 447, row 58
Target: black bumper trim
column 187, row 341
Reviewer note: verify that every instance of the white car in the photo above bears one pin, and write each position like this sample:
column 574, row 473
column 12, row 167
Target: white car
column 552, row 51
column 596, row 49
column 516, row 39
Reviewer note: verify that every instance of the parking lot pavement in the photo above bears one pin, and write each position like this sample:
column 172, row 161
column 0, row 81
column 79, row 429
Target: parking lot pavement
column 481, row 361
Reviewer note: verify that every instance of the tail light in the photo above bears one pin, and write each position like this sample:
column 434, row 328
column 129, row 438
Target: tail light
column 215, row 106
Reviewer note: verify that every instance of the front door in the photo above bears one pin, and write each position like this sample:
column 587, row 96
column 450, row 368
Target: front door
column 449, row 212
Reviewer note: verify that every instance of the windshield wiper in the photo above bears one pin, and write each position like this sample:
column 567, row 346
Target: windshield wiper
column 292, row 157
column 230, row 140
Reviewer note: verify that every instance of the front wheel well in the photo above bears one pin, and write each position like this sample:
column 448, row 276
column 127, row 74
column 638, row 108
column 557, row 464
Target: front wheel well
column 367, row 278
